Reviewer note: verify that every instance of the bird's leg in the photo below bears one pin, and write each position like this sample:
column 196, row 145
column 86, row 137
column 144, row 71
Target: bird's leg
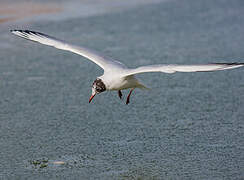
column 120, row 94
column 128, row 97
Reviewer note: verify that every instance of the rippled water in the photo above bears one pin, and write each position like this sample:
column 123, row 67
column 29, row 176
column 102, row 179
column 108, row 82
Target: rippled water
column 189, row 126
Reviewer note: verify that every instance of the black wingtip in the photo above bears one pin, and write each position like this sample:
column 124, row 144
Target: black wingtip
column 229, row 64
column 22, row 31
column 15, row 30
column 12, row 30
column 28, row 32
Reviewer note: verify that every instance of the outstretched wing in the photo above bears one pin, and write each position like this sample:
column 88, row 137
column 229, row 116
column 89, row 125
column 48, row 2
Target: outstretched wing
column 104, row 62
column 183, row 68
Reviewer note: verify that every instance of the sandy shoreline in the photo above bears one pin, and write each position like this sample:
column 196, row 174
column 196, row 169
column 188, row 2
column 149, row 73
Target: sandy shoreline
column 12, row 11
column 15, row 11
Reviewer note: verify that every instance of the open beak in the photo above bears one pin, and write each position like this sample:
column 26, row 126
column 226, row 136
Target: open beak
column 92, row 96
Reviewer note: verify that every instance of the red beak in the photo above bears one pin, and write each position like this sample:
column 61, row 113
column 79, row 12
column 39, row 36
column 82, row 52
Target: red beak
column 92, row 96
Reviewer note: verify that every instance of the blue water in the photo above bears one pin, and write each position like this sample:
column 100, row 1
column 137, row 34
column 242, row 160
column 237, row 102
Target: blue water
column 188, row 126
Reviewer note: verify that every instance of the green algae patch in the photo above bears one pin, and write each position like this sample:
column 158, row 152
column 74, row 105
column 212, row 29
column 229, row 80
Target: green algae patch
column 39, row 163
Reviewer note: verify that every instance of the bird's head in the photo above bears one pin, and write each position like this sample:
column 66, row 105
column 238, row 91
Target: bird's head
column 97, row 87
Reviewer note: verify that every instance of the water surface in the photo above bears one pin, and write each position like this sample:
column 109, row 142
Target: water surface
column 189, row 126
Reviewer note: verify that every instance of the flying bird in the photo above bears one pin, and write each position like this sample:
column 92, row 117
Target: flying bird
column 117, row 76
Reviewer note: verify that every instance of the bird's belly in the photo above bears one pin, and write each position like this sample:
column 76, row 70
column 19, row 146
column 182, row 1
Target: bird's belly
column 119, row 85
column 123, row 83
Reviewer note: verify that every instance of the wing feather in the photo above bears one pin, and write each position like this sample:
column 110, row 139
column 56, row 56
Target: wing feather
column 109, row 64
column 172, row 68
column 99, row 59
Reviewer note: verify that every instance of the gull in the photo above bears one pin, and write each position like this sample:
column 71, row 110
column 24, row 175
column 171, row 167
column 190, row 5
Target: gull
column 117, row 76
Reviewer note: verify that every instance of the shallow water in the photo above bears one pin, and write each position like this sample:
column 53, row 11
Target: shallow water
column 189, row 126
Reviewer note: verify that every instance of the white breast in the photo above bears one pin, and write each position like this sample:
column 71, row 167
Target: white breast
column 113, row 82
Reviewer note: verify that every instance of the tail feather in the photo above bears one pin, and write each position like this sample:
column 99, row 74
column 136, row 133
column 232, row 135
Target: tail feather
column 142, row 86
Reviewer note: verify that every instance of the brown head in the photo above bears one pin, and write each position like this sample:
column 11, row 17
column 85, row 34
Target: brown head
column 97, row 87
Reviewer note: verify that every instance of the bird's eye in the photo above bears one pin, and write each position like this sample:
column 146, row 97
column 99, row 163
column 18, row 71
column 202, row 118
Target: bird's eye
column 98, row 88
